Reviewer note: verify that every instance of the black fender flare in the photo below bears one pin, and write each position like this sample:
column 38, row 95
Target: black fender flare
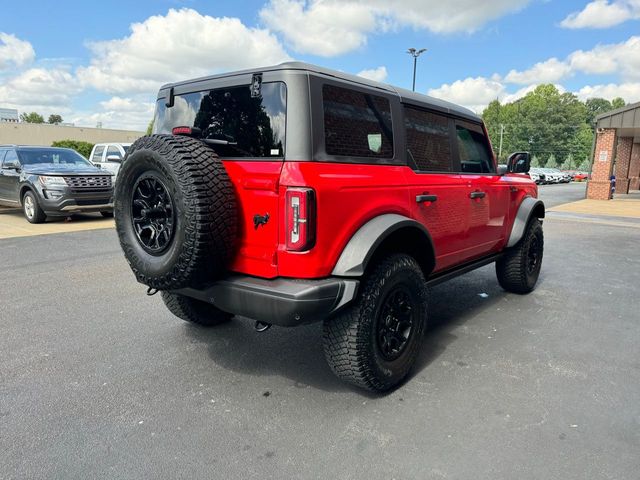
column 529, row 208
column 363, row 244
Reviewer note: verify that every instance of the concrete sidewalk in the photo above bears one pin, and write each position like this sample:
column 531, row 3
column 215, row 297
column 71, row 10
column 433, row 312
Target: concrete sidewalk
column 627, row 206
column 13, row 224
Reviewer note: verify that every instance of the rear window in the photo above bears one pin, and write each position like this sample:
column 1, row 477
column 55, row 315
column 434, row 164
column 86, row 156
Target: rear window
column 238, row 124
column 356, row 124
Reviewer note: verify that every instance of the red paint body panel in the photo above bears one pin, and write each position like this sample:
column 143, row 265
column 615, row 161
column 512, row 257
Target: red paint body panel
column 349, row 195
column 256, row 187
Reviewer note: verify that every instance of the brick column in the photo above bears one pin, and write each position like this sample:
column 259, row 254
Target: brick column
column 623, row 160
column 634, row 168
column 599, row 187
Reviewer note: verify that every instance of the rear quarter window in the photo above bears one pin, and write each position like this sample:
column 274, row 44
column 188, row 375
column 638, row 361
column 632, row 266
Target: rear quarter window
column 356, row 124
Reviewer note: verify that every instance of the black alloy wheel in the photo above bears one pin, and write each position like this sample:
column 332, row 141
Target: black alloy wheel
column 395, row 324
column 152, row 213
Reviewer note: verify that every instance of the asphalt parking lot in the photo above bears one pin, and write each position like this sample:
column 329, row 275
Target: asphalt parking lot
column 100, row 381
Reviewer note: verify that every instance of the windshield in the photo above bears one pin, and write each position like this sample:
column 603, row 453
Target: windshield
column 236, row 121
column 60, row 158
column 125, row 148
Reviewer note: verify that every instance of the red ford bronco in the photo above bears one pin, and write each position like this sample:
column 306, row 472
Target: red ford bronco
column 294, row 194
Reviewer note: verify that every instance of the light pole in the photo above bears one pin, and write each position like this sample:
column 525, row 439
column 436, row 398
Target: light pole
column 415, row 54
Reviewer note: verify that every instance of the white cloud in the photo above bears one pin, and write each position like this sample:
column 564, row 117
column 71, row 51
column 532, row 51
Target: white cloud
column 182, row 44
column 14, row 51
column 621, row 58
column 603, row 14
column 629, row 91
column 334, row 27
column 548, row 71
column 118, row 113
column 51, row 90
column 473, row 93
column 377, row 74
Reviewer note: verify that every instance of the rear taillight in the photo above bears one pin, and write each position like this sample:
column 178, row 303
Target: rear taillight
column 186, row 131
column 300, row 219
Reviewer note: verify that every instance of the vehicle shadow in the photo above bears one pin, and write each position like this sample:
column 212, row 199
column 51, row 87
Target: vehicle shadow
column 296, row 353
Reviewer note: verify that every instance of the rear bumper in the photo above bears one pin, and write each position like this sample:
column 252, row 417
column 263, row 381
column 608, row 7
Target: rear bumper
column 280, row 301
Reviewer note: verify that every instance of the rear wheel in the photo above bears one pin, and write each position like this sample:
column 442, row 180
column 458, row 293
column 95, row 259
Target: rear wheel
column 375, row 341
column 32, row 211
column 518, row 270
column 194, row 311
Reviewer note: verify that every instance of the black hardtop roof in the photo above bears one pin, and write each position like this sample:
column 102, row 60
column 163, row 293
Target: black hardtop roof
column 406, row 96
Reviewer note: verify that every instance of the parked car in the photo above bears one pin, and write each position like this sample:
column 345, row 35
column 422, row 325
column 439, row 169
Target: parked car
column 537, row 177
column 542, row 177
column 580, row 176
column 49, row 181
column 109, row 156
column 552, row 175
column 294, row 194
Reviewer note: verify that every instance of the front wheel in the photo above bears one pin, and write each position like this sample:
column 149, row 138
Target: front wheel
column 375, row 341
column 194, row 311
column 518, row 270
column 32, row 211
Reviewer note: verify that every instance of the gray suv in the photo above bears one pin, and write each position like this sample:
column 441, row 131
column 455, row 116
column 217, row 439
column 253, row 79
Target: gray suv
column 48, row 181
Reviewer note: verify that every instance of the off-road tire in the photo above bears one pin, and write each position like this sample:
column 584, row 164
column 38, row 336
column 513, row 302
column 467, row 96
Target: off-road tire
column 38, row 215
column 350, row 339
column 107, row 214
column 514, row 271
column 194, row 311
column 204, row 232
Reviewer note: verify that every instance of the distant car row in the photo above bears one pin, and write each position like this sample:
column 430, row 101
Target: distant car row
column 544, row 176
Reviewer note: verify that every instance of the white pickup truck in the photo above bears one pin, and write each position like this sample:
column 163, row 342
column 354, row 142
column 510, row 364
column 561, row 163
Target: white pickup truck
column 109, row 156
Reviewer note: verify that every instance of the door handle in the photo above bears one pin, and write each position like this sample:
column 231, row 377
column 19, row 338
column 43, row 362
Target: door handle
column 426, row 198
column 477, row 195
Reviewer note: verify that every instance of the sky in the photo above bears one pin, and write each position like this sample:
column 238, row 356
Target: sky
column 103, row 62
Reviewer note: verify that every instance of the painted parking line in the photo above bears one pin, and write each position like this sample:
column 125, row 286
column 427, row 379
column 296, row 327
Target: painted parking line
column 13, row 224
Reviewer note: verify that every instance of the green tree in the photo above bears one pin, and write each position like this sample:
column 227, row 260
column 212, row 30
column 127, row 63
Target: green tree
column 150, row 128
column 54, row 119
column 617, row 103
column 32, row 117
column 83, row 148
column 596, row 106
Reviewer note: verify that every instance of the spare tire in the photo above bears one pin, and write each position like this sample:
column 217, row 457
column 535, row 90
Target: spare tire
column 175, row 212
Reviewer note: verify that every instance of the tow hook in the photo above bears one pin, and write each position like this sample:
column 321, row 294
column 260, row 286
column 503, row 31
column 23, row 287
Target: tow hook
column 262, row 326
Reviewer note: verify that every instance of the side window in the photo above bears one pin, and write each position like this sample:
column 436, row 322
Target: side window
column 2, row 153
column 428, row 141
column 97, row 155
column 113, row 150
column 356, row 124
column 475, row 156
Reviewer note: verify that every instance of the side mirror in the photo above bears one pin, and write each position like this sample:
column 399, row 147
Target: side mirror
column 519, row 162
column 502, row 169
column 114, row 158
column 12, row 165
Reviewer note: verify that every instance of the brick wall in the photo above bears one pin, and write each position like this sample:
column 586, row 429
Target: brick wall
column 634, row 168
column 622, row 162
column 599, row 187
